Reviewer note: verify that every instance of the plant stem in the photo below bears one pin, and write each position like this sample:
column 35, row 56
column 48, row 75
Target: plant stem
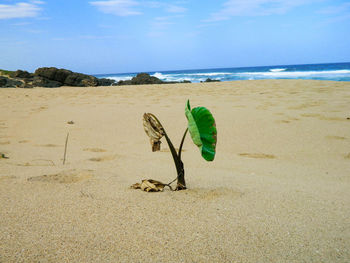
column 178, row 163
column 181, row 184
column 181, row 144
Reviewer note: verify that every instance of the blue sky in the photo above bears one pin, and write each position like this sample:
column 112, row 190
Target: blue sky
column 139, row 35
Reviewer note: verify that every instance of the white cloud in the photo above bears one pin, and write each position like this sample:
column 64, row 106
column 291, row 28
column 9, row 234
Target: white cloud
column 233, row 8
column 336, row 13
column 170, row 8
column 336, row 9
column 117, row 7
column 21, row 24
column 175, row 9
column 20, row 10
column 128, row 7
column 38, row 2
column 161, row 23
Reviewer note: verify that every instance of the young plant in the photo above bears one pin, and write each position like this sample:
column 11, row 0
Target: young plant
column 202, row 128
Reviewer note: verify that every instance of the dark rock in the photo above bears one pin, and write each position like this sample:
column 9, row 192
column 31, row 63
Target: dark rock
column 52, row 73
column 22, row 74
column 105, row 82
column 44, row 82
column 141, row 78
column 81, row 80
column 3, row 81
column 52, row 77
column 27, row 83
column 122, row 82
column 66, row 77
column 211, row 80
column 144, row 78
column 6, row 82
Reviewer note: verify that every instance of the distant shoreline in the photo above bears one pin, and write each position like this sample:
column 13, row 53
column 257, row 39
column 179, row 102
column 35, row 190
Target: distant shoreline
column 51, row 77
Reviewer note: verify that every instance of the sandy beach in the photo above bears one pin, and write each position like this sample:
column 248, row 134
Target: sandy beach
column 277, row 191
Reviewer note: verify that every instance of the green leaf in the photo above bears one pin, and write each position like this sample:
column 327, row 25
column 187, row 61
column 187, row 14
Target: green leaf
column 201, row 125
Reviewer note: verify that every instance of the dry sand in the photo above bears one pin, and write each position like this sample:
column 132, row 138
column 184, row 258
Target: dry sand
column 278, row 190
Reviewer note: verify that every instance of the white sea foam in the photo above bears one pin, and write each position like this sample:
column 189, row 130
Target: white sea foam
column 120, row 78
column 159, row 75
column 273, row 73
column 277, row 69
column 164, row 76
column 209, row 74
column 291, row 74
column 173, row 77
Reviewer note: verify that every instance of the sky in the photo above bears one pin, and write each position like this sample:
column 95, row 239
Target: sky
column 118, row 36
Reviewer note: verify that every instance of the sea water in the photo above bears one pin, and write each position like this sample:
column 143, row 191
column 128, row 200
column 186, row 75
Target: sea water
column 334, row 71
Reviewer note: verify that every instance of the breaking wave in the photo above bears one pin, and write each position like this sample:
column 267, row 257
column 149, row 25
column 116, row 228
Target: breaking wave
column 335, row 71
column 277, row 69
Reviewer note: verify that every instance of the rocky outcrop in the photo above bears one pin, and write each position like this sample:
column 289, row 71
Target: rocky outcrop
column 144, row 78
column 80, row 80
column 211, row 80
column 66, row 77
column 22, row 74
column 105, row 82
column 3, row 81
column 53, row 74
column 51, row 77
column 6, row 82
column 44, row 82
column 141, row 78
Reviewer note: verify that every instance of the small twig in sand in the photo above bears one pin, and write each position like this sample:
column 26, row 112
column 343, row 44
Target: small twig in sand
column 65, row 149
column 171, row 182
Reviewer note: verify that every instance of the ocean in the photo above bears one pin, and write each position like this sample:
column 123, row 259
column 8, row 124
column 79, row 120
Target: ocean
column 331, row 71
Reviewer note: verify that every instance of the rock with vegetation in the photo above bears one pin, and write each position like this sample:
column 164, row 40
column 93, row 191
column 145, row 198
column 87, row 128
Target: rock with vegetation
column 22, row 74
column 5, row 72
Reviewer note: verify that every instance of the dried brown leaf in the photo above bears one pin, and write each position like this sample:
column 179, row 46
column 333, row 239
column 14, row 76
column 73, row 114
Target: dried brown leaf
column 136, row 186
column 149, row 185
column 154, row 130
